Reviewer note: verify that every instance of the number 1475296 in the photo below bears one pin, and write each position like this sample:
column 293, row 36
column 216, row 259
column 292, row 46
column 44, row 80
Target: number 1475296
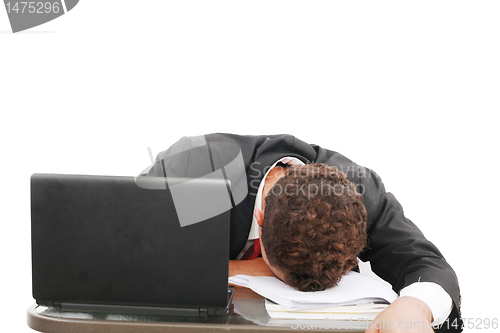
column 32, row 7
column 474, row 323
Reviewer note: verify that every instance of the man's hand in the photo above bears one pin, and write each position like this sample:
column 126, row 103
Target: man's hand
column 255, row 267
column 404, row 315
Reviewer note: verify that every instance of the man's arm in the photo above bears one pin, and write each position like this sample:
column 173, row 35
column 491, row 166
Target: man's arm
column 255, row 267
column 397, row 250
column 406, row 314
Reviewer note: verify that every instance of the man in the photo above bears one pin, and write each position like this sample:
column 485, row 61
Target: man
column 279, row 172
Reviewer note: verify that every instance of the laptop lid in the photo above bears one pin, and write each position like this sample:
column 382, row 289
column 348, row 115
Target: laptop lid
column 103, row 243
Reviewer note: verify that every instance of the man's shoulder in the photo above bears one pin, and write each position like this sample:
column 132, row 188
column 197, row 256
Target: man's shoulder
column 242, row 139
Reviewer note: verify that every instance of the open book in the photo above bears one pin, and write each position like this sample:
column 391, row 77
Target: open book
column 355, row 297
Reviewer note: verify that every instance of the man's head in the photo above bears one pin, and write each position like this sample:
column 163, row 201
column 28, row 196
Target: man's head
column 313, row 226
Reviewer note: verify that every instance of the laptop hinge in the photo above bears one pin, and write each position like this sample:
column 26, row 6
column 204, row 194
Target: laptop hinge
column 127, row 309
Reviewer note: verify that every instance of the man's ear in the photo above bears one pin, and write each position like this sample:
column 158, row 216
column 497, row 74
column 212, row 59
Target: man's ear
column 259, row 216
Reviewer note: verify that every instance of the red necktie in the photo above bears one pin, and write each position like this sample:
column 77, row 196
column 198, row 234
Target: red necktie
column 254, row 251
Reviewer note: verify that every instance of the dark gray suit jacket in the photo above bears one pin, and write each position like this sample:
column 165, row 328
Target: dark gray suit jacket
column 397, row 250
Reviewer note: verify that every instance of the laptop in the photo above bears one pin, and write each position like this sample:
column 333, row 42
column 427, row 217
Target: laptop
column 105, row 244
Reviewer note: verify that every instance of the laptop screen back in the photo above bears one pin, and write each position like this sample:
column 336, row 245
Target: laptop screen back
column 105, row 240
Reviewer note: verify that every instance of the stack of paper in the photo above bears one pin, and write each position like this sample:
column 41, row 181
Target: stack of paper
column 363, row 311
column 355, row 297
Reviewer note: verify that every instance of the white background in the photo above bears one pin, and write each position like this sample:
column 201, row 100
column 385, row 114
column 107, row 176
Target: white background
column 409, row 89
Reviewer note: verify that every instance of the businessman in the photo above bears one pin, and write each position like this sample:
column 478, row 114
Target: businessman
column 307, row 213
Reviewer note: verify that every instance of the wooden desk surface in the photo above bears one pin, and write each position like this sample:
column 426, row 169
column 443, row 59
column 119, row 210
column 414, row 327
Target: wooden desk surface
column 247, row 314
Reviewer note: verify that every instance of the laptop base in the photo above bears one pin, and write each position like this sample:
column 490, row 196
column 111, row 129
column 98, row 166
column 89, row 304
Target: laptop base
column 138, row 310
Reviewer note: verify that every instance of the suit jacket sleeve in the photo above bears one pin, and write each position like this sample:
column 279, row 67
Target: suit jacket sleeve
column 397, row 250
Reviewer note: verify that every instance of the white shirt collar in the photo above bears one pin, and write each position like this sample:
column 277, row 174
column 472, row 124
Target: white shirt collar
column 254, row 229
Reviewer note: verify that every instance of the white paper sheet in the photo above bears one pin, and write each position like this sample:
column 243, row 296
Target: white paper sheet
column 353, row 288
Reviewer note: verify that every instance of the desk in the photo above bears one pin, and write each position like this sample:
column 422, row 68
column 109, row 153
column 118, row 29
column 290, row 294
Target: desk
column 247, row 314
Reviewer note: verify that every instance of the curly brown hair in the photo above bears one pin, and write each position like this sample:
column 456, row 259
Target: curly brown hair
column 314, row 226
